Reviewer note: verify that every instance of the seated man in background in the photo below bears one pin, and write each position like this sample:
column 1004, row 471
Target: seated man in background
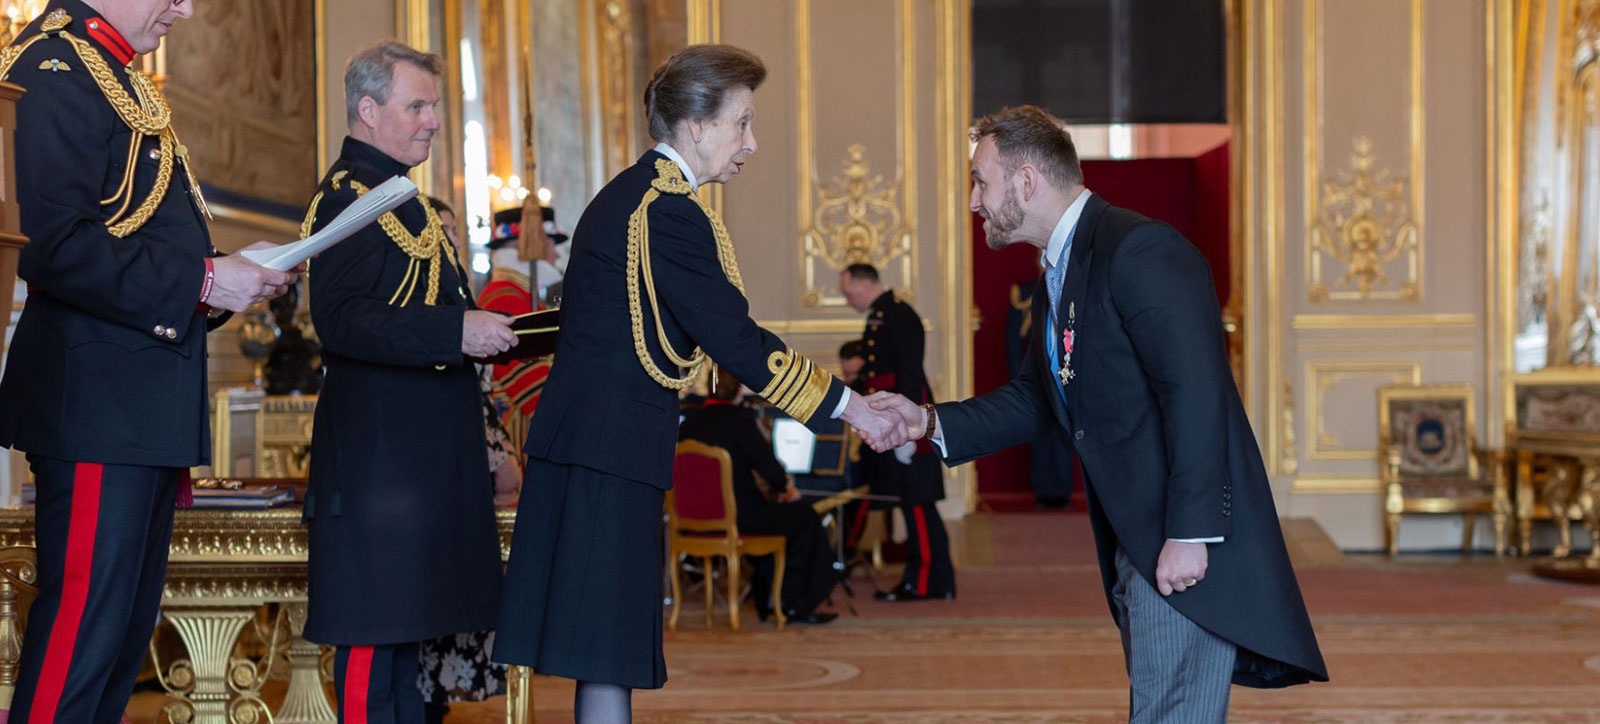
column 768, row 505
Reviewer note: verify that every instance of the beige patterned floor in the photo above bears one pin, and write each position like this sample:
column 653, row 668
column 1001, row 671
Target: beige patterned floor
column 1423, row 639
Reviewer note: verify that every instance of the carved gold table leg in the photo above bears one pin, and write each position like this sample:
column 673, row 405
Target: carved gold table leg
column 519, row 695
column 306, row 702
column 197, row 687
column 1524, row 502
column 10, row 642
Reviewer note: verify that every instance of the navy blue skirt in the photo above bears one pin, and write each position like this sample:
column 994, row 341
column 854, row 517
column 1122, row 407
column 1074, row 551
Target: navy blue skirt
column 583, row 586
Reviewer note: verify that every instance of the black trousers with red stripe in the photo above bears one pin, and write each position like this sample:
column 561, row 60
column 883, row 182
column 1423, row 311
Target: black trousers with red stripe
column 378, row 684
column 103, row 533
column 929, row 571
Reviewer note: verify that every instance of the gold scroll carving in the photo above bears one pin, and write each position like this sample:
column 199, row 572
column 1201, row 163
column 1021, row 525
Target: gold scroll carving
column 857, row 220
column 1364, row 223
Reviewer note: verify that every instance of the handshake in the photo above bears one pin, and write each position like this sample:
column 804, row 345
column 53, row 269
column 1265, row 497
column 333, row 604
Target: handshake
column 886, row 420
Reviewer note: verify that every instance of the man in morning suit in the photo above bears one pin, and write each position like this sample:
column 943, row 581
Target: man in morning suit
column 105, row 389
column 1128, row 358
column 893, row 342
column 400, row 511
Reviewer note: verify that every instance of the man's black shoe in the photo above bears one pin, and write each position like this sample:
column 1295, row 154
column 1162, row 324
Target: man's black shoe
column 814, row 618
column 904, row 593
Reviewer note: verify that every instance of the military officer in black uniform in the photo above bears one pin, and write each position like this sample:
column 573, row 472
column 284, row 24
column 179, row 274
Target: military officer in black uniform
column 400, row 491
column 652, row 282
column 893, row 343
column 105, row 389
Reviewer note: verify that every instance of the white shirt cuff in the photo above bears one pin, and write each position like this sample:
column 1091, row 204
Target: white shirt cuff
column 844, row 400
column 1216, row 539
column 938, row 442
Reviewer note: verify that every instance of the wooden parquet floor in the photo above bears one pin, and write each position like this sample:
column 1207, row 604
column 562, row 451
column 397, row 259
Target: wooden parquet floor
column 1420, row 639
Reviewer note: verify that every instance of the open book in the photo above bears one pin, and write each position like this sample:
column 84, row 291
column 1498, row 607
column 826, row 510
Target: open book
column 372, row 204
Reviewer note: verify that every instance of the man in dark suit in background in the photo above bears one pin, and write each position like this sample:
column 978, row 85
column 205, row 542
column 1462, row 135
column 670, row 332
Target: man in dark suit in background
column 1128, row 357
column 808, row 575
column 105, row 388
column 893, row 342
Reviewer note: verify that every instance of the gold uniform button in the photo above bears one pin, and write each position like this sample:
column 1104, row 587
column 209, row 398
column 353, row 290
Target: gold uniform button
column 872, row 358
column 872, row 342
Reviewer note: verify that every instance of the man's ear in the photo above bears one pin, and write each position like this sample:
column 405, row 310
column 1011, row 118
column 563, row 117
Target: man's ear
column 367, row 110
column 1027, row 181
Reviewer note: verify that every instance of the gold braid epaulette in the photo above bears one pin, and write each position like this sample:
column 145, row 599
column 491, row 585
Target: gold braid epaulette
column 421, row 248
column 797, row 385
column 148, row 115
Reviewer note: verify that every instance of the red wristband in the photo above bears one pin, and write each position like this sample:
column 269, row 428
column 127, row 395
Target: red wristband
column 211, row 277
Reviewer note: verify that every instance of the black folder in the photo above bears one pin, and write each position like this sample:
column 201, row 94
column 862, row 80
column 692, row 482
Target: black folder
column 536, row 337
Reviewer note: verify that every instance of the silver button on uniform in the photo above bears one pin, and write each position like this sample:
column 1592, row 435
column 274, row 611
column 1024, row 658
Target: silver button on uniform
column 160, row 330
column 172, row 333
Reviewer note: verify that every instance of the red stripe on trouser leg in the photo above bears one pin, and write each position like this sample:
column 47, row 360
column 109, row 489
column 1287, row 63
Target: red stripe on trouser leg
column 859, row 524
column 357, row 678
column 927, row 552
column 81, row 525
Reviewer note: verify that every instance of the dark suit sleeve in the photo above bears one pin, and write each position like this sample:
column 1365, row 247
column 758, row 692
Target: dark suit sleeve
column 758, row 450
column 1011, row 415
column 691, row 286
column 352, row 313
column 1162, row 290
column 64, row 131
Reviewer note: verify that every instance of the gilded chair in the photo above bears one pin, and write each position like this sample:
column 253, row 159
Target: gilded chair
column 702, row 521
column 1431, row 463
column 19, row 577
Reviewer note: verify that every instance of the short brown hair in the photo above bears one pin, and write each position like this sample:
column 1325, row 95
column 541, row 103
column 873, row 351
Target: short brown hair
column 690, row 85
column 1029, row 134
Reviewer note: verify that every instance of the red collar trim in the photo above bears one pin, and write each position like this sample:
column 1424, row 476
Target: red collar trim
column 108, row 38
column 714, row 402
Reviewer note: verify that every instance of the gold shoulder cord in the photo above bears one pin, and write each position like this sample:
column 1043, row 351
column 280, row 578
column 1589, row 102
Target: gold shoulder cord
column 421, row 248
column 797, row 387
column 669, row 179
column 149, row 115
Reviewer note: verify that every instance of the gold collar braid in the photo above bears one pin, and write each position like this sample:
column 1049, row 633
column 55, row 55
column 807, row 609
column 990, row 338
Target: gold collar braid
column 148, row 115
column 669, row 179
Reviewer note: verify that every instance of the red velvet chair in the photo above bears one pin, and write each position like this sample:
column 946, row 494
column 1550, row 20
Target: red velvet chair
column 702, row 521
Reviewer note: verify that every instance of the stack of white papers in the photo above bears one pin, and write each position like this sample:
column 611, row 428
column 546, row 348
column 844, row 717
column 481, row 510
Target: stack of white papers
column 372, row 204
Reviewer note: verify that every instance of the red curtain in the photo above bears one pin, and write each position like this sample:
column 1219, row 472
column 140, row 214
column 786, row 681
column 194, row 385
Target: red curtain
column 1191, row 194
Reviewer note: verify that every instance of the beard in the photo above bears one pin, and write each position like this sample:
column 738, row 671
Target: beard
column 1003, row 224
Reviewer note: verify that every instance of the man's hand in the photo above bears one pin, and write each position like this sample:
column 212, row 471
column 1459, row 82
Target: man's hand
column 507, row 482
column 238, row 283
column 910, row 413
column 881, row 430
column 484, row 334
column 1180, row 567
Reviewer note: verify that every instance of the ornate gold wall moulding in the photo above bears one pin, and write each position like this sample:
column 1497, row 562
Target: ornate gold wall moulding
column 1382, row 321
column 1291, row 456
column 1336, row 485
column 857, row 220
column 1321, row 377
column 1364, row 223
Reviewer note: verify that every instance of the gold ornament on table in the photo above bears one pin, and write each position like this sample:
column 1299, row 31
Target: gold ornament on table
column 1364, row 223
column 257, row 333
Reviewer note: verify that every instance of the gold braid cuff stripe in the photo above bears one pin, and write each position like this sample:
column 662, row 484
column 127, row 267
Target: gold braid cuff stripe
column 798, row 385
column 149, row 115
column 669, row 180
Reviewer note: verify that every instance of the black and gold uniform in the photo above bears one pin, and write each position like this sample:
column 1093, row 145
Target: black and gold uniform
column 403, row 545
column 652, row 277
column 105, row 388
column 893, row 342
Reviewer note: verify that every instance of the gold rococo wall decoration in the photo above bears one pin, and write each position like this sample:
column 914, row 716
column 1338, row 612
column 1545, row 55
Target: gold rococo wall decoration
column 1364, row 224
column 857, row 220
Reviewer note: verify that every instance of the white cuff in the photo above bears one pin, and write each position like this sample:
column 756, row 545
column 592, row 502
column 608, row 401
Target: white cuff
column 938, row 442
column 1216, row 539
column 844, row 400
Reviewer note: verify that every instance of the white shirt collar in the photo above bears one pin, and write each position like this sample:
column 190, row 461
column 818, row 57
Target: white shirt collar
column 1062, row 235
column 672, row 153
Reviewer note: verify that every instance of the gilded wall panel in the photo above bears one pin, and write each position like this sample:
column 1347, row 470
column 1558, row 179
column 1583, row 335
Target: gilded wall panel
column 242, row 80
column 1341, row 405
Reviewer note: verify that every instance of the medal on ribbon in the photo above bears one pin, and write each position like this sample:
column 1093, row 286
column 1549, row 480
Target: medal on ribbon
column 1068, row 337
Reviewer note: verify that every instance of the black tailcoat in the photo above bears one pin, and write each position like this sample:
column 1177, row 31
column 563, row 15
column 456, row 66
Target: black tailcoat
column 108, row 362
column 403, row 543
column 1157, row 422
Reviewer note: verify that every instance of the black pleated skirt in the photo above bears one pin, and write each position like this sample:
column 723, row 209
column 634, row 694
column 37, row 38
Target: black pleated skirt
column 583, row 593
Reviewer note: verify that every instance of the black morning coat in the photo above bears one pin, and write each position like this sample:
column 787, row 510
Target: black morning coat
column 893, row 342
column 600, row 409
column 403, row 542
column 108, row 363
column 1156, row 420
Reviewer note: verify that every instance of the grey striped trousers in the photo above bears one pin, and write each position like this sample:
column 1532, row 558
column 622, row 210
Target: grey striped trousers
column 1178, row 672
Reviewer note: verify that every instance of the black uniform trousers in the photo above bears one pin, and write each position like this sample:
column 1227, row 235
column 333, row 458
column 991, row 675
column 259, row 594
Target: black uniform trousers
column 929, row 571
column 378, row 684
column 103, row 533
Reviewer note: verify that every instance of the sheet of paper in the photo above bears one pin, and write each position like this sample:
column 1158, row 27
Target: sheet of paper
column 372, row 204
